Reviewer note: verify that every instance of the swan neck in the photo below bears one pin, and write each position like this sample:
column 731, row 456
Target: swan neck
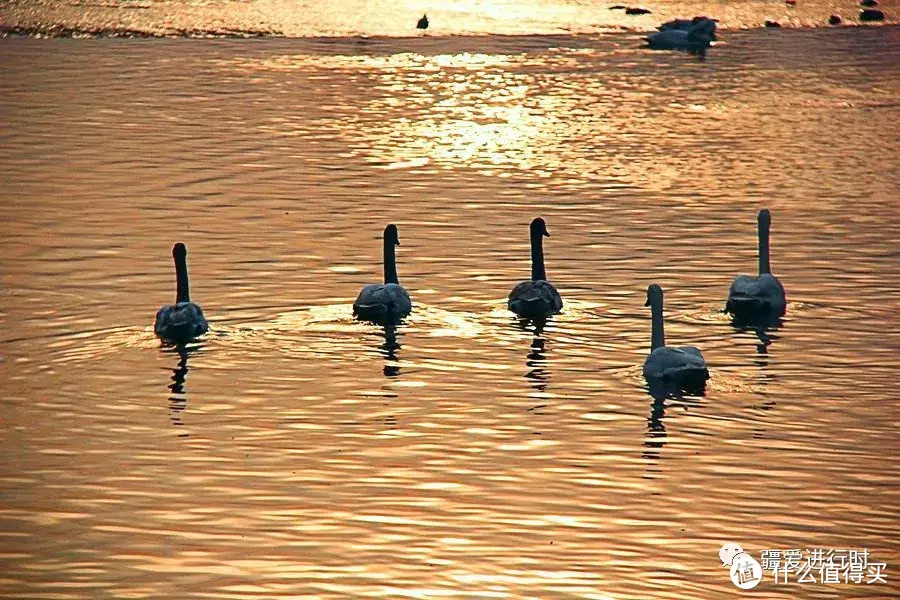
column 764, row 266
column 181, row 275
column 537, row 257
column 658, row 335
column 390, row 262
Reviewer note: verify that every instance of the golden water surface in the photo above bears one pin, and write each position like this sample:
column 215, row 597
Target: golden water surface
column 294, row 453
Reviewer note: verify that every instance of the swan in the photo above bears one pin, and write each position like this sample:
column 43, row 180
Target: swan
column 387, row 302
column 696, row 37
column 763, row 294
column 536, row 298
column 687, row 24
column 683, row 366
column 184, row 320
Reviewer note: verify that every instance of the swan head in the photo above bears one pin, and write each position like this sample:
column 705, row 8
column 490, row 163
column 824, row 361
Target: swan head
column 765, row 218
column 391, row 235
column 539, row 228
column 179, row 251
column 654, row 294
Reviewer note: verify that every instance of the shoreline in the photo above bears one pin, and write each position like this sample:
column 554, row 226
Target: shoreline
column 65, row 32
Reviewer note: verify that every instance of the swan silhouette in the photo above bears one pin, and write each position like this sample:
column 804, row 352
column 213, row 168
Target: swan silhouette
column 536, row 298
column 388, row 302
column 694, row 36
column 682, row 366
column 762, row 294
column 184, row 320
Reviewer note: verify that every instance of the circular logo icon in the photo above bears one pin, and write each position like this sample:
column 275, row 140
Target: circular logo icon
column 745, row 571
column 728, row 552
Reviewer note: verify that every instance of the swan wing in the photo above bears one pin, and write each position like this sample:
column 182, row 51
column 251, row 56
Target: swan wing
column 534, row 299
column 668, row 39
column 180, row 322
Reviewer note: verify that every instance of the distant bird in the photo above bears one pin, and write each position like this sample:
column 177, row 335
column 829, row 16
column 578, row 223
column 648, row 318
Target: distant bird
column 772, row 24
column 835, row 20
column 389, row 302
column 686, row 24
column 184, row 320
column 763, row 294
column 618, row 7
column 637, row 10
column 423, row 22
column 536, row 298
column 695, row 39
column 871, row 14
column 869, row 3
column 683, row 366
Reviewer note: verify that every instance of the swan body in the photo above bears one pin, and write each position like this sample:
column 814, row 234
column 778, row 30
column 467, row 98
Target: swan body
column 676, row 364
column 184, row 320
column 682, row 366
column 536, row 298
column 693, row 36
column 762, row 294
column 385, row 302
column 382, row 302
column 756, row 294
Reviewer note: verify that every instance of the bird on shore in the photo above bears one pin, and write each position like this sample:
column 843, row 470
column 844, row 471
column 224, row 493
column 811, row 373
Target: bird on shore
column 183, row 321
column 423, row 22
column 871, row 14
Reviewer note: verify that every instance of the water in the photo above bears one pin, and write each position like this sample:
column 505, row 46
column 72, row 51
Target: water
column 295, row 453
